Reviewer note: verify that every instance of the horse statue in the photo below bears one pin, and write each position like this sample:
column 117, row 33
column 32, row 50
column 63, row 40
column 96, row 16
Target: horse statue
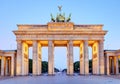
column 52, row 18
column 69, row 18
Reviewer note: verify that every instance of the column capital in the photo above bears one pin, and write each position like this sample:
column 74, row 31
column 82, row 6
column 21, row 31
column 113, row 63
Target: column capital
column 35, row 41
column 70, row 43
column 70, row 40
column 50, row 43
column 50, row 40
column 101, row 41
column 85, row 40
column 19, row 41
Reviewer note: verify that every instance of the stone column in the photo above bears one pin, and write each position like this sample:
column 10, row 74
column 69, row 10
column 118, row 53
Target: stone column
column 6, row 66
column 68, row 62
column 95, row 58
column 39, row 59
column 2, row 66
column 23, row 61
column 101, row 57
column 113, row 65
column 26, row 58
column 86, row 57
column 50, row 57
column 70, row 57
column 19, row 58
column 12, row 65
column 82, row 67
column 35, row 58
column 117, row 68
column 27, row 65
column 108, row 65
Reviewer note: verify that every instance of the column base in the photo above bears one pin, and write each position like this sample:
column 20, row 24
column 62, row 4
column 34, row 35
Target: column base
column 51, row 74
column 12, row 75
column 84, row 74
column 98, row 74
column 70, row 74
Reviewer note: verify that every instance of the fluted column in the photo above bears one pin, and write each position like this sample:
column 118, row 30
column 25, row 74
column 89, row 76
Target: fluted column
column 35, row 67
column 23, row 60
column 39, row 59
column 117, row 68
column 12, row 65
column 27, row 64
column 68, row 62
column 108, row 65
column 82, row 67
column 19, row 58
column 70, row 58
column 2, row 66
column 6, row 66
column 113, row 65
column 95, row 58
column 101, row 57
column 50, row 57
column 86, row 56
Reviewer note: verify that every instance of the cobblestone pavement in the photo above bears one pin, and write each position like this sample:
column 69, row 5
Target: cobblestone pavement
column 61, row 79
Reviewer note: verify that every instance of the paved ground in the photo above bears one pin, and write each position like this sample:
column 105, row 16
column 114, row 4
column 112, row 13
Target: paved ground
column 61, row 79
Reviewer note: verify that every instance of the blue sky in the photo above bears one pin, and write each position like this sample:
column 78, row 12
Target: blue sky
column 14, row 12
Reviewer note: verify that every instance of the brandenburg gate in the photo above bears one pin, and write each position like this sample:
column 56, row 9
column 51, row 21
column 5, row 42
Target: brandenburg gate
column 60, row 34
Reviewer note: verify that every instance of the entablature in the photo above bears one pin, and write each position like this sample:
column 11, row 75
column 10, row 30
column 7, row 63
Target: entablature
column 60, row 37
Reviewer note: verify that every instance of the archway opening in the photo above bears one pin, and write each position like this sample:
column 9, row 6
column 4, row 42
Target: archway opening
column 119, row 64
column 76, row 55
column 44, row 60
column 30, row 60
column 60, row 60
column 90, row 59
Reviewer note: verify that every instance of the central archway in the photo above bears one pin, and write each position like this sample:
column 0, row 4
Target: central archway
column 60, row 60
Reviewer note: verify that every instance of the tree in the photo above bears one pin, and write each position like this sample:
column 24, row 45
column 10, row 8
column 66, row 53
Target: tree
column 77, row 66
column 44, row 66
column 90, row 66
column 30, row 65
column 56, row 70
column 64, row 70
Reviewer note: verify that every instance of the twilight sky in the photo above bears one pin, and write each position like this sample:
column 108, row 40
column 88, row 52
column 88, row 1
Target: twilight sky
column 13, row 12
